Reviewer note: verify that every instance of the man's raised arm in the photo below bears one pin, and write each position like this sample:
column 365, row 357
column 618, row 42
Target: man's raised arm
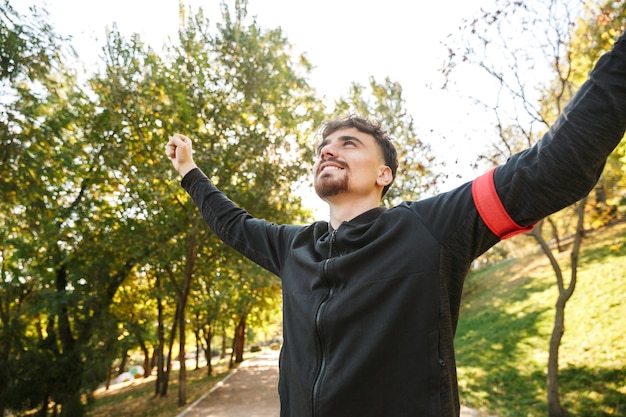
column 564, row 166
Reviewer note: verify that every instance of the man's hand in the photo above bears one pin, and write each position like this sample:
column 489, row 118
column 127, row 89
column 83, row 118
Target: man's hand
column 178, row 149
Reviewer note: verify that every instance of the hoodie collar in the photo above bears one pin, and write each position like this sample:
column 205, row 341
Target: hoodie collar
column 363, row 218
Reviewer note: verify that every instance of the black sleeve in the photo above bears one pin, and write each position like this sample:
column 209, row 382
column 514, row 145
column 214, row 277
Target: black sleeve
column 262, row 242
column 565, row 165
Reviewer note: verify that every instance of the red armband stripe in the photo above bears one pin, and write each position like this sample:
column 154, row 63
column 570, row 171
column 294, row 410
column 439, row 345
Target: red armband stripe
column 491, row 209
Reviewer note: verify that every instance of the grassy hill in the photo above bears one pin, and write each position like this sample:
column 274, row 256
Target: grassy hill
column 506, row 322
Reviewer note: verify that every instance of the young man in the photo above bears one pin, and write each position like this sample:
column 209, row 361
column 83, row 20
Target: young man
column 371, row 298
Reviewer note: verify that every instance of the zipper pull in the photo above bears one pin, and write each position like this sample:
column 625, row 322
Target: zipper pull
column 333, row 239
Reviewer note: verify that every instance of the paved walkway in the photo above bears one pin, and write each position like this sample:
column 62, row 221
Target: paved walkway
column 251, row 391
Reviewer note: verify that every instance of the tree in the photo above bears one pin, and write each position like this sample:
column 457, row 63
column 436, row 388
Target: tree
column 27, row 51
column 256, row 292
column 551, row 40
column 243, row 98
column 84, row 182
column 61, row 251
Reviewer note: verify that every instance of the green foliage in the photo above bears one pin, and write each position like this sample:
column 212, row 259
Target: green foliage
column 506, row 319
column 92, row 213
column 242, row 97
column 51, row 294
column 29, row 45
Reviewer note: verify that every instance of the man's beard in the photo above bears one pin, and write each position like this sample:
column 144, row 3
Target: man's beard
column 329, row 187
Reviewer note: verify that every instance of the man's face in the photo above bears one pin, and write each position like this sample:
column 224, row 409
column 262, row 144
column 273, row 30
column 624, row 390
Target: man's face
column 348, row 162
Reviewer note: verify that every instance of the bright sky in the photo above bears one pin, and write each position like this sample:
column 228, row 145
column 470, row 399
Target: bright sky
column 346, row 40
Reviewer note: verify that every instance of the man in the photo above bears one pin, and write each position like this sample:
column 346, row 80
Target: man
column 371, row 298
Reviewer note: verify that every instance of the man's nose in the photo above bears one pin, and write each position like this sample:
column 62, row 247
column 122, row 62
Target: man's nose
column 328, row 151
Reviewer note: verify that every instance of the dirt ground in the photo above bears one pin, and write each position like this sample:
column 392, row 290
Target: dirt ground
column 251, row 391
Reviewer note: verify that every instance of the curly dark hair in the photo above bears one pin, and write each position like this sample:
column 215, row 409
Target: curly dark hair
column 372, row 127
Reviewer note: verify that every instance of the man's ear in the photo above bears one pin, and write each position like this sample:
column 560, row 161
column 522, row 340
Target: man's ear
column 385, row 177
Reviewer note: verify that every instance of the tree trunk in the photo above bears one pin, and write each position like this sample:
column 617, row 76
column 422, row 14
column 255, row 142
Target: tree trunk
column 240, row 339
column 161, row 342
column 123, row 362
column 168, row 365
column 208, row 351
column 554, row 401
column 223, row 352
column 555, row 409
column 555, row 234
column 182, row 374
column 69, row 395
column 183, row 297
column 108, row 380
column 196, row 334
column 147, row 369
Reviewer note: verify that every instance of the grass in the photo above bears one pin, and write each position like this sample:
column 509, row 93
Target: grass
column 138, row 400
column 506, row 322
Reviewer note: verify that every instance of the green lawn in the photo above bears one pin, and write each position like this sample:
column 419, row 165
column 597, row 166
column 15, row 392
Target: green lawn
column 137, row 399
column 506, row 322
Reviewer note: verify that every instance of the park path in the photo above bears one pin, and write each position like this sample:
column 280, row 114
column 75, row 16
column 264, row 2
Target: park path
column 251, row 391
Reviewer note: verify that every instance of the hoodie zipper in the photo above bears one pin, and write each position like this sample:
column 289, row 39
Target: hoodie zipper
column 326, row 277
